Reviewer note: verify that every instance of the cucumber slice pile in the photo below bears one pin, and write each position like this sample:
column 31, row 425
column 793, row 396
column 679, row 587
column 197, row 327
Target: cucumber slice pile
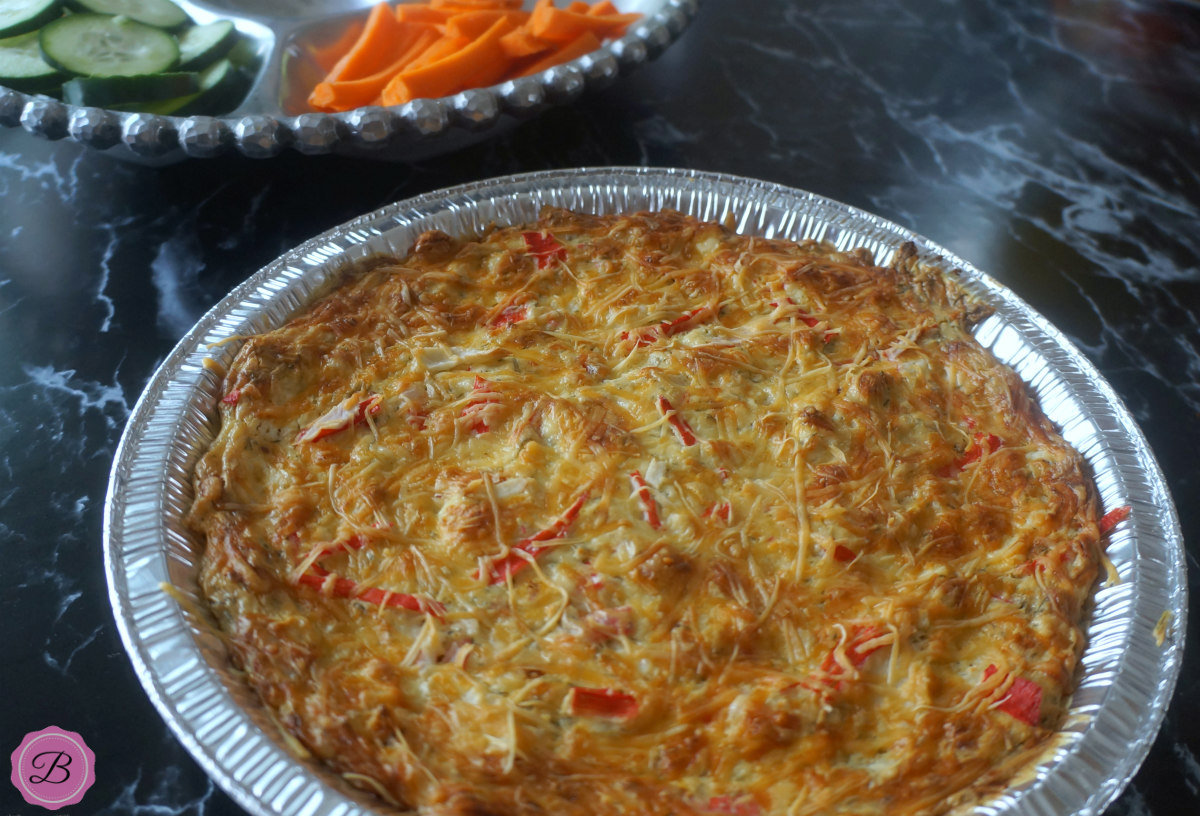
column 132, row 55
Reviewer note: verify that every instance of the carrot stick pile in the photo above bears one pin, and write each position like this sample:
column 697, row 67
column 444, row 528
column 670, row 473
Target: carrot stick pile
column 441, row 47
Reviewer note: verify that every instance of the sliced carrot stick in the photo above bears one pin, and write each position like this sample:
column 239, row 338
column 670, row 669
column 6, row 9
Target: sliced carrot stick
column 520, row 43
column 441, row 48
column 474, row 23
column 373, row 49
column 350, row 94
column 476, row 4
column 327, row 56
column 561, row 25
column 421, row 13
column 463, row 68
column 585, row 43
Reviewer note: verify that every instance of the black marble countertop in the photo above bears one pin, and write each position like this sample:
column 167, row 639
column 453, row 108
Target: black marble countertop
column 1053, row 144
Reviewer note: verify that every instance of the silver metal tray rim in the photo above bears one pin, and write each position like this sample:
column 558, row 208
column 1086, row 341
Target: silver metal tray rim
column 259, row 128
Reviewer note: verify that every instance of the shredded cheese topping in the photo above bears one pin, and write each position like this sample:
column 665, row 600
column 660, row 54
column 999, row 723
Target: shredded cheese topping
column 635, row 515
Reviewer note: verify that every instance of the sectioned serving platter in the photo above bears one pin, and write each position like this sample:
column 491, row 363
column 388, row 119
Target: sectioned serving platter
column 285, row 36
column 1127, row 672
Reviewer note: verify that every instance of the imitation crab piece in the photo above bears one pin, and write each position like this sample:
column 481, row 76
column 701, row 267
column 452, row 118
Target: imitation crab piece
column 1024, row 698
column 677, row 422
column 350, row 412
column 649, row 506
column 478, row 405
column 858, row 647
column 721, row 510
column 589, row 702
column 514, row 562
column 326, row 582
column 544, row 247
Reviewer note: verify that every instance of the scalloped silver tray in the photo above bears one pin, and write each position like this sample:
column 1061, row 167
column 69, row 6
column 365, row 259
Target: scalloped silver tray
column 1127, row 677
column 286, row 35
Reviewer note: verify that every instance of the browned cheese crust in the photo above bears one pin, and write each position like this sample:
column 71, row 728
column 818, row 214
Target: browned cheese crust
column 636, row 515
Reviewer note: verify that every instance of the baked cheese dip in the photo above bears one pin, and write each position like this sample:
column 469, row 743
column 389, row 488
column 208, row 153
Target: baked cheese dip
column 636, row 515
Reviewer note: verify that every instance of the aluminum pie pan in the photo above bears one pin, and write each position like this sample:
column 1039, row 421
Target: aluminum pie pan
column 272, row 118
column 1127, row 677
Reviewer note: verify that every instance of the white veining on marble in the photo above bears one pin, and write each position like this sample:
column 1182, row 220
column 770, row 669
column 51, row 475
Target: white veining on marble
column 113, row 232
column 63, row 665
column 1191, row 767
column 108, row 400
column 175, row 264
column 162, row 799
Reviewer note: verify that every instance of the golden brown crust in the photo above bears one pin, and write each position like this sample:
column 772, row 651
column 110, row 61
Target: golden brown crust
column 635, row 515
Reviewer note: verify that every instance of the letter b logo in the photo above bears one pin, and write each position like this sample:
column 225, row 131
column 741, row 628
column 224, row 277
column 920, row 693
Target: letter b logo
column 53, row 768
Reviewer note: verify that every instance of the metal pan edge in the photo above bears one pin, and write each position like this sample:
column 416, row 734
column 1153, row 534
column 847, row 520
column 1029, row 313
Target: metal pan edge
column 1126, row 680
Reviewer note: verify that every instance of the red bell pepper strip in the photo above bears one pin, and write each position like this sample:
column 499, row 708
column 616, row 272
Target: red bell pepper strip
column 844, row 554
column 1024, row 698
column 649, row 506
column 1114, row 517
column 676, row 421
column 720, row 510
column 544, row 247
column 325, row 581
column 510, row 314
column 587, row 702
column 514, row 562
column 350, row 412
column 980, row 443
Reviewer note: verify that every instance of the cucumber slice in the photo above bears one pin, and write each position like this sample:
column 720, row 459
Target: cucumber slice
column 95, row 45
column 201, row 46
column 219, row 87
column 22, row 67
column 222, row 87
column 244, row 53
column 105, row 92
column 21, row 16
column 158, row 13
